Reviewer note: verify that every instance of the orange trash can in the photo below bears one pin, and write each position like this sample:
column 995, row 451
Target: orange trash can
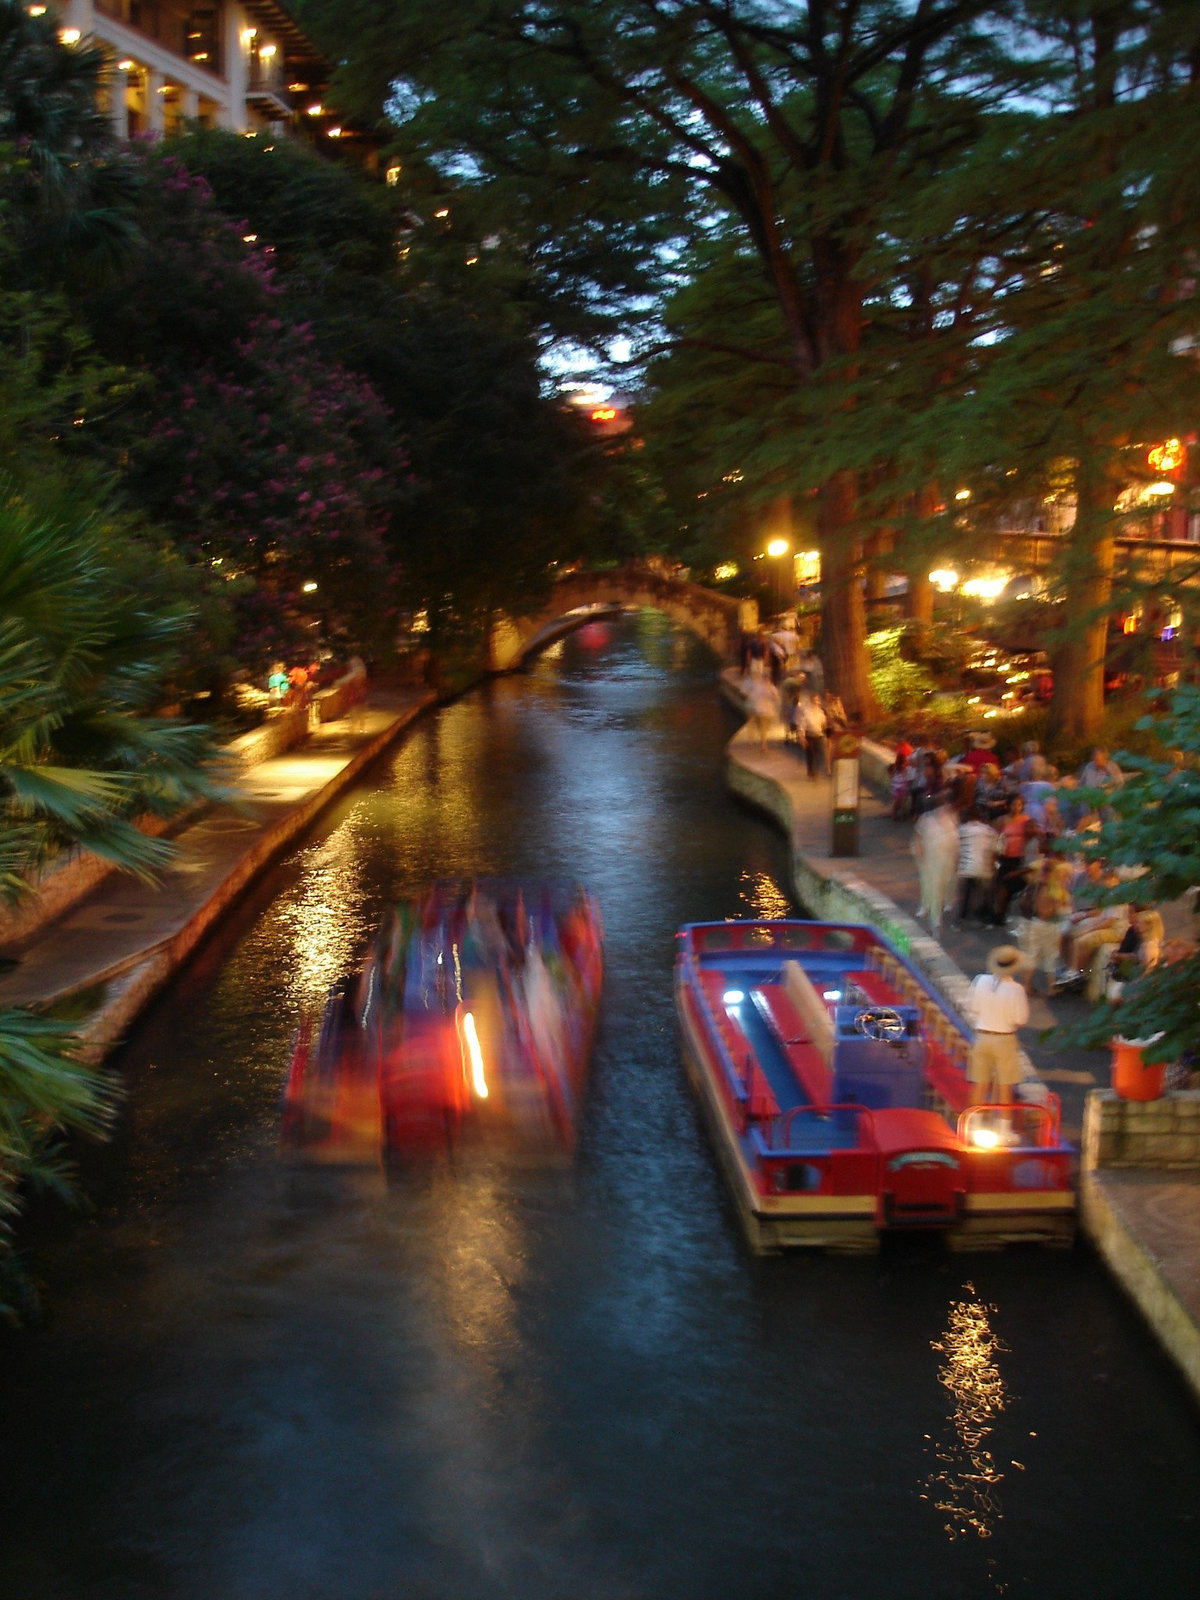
column 1132, row 1077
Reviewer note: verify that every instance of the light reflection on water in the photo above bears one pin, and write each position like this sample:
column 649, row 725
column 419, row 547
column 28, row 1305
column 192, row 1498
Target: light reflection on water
column 760, row 896
column 965, row 1484
column 488, row 1385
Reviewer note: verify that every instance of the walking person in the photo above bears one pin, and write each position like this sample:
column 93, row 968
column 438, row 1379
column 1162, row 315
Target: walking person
column 997, row 1005
column 935, row 845
column 1047, row 907
column 762, row 698
column 813, row 725
column 1015, row 830
column 977, row 846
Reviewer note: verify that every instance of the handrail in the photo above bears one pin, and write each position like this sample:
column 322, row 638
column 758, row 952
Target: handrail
column 781, row 1125
column 736, row 1082
column 1048, row 1117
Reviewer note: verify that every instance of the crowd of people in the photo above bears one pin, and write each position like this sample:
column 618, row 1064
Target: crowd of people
column 784, row 681
column 1001, row 845
column 998, row 842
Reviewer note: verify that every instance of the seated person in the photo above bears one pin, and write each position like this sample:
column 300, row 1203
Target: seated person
column 1141, row 948
column 1091, row 938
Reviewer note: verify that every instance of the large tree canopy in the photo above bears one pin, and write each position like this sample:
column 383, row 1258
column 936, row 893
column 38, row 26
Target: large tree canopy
column 797, row 124
column 905, row 178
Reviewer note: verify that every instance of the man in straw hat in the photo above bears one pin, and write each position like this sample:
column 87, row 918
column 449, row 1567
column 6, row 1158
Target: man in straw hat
column 998, row 1005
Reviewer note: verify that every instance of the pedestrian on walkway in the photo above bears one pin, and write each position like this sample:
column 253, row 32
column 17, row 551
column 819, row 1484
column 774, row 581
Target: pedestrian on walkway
column 1015, row 830
column 929, row 787
column 789, row 694
column 997, row 1005
column 762, row 697
column 977, row 846
column 991, row 792
column 935, row 845
column 812, row 727
column 1045, row 906
column 754, row 654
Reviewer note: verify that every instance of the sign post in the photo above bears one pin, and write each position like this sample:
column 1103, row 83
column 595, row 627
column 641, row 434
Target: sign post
column 846, row 748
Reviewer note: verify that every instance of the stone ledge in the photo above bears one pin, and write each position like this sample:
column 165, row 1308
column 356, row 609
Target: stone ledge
column 1151, row 1279
column 1141, row 1133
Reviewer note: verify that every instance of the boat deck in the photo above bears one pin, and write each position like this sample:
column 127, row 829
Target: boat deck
column 835, row 1081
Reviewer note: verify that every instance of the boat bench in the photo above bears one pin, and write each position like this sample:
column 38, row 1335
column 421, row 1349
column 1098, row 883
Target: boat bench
column 761, row 1104
column 809, row 1067
column 875, row 986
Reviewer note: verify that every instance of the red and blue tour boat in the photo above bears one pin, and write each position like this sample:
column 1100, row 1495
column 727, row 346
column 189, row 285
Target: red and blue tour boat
column 833, row 1080
column 472, row 1016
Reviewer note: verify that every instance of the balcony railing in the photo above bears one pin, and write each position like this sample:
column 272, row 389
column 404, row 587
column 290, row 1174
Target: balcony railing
column 191, row 32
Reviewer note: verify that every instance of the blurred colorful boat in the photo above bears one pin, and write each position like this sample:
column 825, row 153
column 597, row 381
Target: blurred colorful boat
column 472, row 1017
column 833, row 1080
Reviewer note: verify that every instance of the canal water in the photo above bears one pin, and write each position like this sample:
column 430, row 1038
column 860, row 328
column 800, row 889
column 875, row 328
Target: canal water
column 276, row 1382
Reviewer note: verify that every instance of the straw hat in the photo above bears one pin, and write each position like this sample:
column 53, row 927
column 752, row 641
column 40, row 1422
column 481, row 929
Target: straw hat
column 982, row 740
column 1005, row 961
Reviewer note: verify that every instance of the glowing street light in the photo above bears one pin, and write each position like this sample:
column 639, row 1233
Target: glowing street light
column 777, row 549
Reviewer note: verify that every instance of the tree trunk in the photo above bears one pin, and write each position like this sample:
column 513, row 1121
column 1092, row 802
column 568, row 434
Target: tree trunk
column 843, row 612
column 1077, row 706
column 918, row 602
column 882, row 544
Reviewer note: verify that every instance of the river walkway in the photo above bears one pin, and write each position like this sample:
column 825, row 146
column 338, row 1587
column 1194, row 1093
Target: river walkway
column 105, row 956
column 1144, row 1220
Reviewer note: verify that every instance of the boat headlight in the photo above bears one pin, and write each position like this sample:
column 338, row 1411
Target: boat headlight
column 985, row 1138
column 474, row 1055
column 831, row 994
column 733, row 997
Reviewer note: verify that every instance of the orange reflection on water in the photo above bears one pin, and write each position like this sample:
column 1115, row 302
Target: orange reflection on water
column 761, row 896
column 964, row 1484
column 322, row 928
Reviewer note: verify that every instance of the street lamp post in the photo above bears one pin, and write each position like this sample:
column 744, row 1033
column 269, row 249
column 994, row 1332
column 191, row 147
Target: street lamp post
column 777, row 549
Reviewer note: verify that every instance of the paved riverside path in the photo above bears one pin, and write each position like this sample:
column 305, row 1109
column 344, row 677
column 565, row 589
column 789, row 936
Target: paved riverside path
column 120, row 943
column 886, row 864
column 1145, row 1223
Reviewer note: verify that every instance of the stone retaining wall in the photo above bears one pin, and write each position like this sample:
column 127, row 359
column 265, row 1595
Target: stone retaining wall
column 1161, row 1134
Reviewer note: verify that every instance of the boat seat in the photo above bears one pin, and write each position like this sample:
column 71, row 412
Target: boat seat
column 808, row 1066
column 803, row 995
column 875, row 986
column 761, row 1104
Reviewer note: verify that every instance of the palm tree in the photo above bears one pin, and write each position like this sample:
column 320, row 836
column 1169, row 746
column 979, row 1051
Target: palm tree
column 81, row 757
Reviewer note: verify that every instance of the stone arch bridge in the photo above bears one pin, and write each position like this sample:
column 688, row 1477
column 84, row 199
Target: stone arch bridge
column 718, row 619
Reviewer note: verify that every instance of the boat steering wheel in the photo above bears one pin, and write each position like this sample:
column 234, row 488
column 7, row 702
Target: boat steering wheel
column 881, row 1022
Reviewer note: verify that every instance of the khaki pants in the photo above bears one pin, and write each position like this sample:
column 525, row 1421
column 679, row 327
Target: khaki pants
column 994, row 1059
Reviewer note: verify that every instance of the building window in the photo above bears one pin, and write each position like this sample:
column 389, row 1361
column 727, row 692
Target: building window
column 192, row 31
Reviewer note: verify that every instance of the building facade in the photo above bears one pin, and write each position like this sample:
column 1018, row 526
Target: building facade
column 243, row 65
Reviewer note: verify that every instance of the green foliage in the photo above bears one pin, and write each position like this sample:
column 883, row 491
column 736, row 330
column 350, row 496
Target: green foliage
column 899, row 684
column 81, row 753
column 1154, row 824
column 81, row 756
column 45, row 1093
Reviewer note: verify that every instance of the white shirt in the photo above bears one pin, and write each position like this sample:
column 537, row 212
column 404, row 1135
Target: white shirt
column 976, row 850
column 997, row 1005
